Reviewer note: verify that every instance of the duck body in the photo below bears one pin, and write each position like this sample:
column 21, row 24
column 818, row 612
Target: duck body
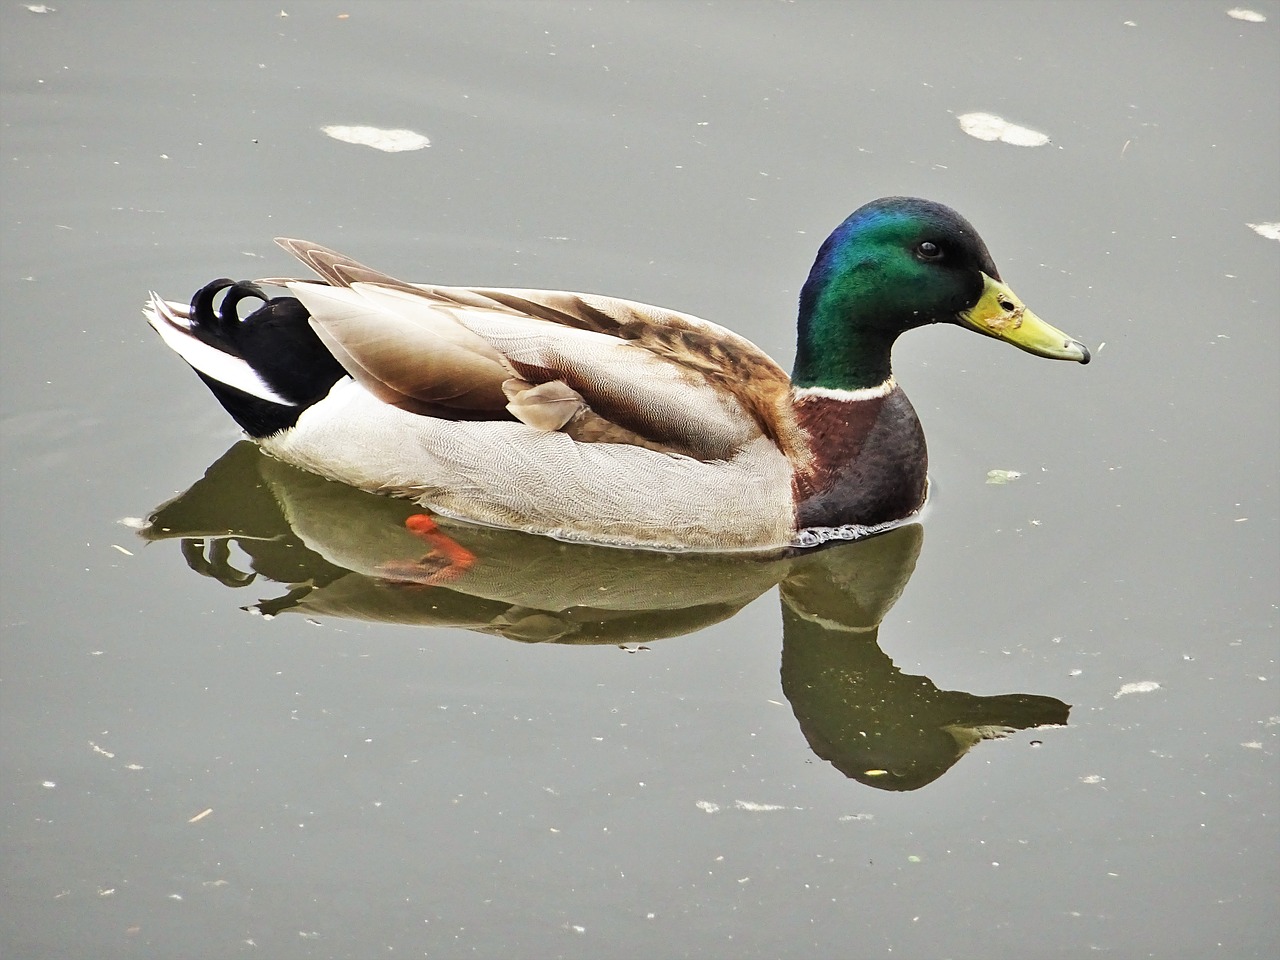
column 595, row 419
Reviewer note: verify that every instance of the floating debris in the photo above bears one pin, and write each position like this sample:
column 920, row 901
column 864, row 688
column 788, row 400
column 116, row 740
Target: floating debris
column 987, row 126
column 201, row 815
column 1236, row 13
column 1269, row 230
column 750, row 806
column 1144, row 686
column 388, row 141
column 1000, row 477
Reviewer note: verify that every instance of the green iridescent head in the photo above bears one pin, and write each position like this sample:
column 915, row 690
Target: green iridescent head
column 896, row 264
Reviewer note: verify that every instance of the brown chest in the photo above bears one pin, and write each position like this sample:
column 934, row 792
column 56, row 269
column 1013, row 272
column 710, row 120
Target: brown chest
column 869, row 465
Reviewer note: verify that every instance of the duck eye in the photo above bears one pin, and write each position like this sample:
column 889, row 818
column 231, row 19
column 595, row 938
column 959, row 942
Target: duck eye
column 928, row 250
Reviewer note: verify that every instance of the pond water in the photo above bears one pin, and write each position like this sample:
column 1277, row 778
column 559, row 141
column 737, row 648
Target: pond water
column 1041, row 724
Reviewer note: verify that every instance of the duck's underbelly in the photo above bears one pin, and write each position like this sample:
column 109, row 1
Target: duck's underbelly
column 508, row 474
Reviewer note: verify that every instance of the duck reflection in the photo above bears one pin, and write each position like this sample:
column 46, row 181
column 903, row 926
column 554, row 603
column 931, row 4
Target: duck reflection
column 339, row 552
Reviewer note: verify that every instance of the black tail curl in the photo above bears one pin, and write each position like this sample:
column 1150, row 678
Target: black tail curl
column 276, row 340
column 221, row 320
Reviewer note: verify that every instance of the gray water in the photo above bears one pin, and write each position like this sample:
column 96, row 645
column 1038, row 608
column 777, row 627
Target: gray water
column 243, row 740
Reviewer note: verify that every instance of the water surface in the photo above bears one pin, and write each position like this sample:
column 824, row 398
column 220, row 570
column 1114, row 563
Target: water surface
column 259, row 746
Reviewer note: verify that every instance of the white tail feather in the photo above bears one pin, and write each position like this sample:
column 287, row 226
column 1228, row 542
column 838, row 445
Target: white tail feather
column 172, row 322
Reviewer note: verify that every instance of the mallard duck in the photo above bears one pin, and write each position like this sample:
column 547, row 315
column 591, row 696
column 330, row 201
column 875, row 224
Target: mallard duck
column 594, row 419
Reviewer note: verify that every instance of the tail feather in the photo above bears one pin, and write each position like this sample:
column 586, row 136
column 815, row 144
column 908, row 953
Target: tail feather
column 173, row 322
column 264, row 369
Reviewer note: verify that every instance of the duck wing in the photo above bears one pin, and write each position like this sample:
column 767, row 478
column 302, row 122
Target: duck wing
column 598, row 368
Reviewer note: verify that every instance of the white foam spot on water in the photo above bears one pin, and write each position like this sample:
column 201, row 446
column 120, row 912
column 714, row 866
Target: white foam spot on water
column 1240, row 13
column 1143, row 686
column 1269, row 230
column 388, row 141
column 988, row 126
column 748, row 806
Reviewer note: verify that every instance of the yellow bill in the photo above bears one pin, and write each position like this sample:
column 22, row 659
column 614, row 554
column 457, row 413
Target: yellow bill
column 1000, row 314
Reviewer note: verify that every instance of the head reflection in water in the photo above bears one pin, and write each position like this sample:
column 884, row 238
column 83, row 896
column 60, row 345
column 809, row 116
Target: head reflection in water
column 338, row 552
column 859, row 712
column 883, row 727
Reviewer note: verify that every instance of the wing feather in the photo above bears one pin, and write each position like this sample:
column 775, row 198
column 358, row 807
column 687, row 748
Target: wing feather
column 667, row 379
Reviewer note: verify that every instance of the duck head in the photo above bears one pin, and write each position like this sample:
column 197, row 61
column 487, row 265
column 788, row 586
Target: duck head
column 895, row 264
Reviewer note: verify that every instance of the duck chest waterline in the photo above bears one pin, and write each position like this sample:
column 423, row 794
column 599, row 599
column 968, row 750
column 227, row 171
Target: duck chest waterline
column 869, row 459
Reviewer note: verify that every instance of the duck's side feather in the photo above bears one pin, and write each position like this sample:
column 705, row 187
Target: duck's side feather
column 509, row 474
